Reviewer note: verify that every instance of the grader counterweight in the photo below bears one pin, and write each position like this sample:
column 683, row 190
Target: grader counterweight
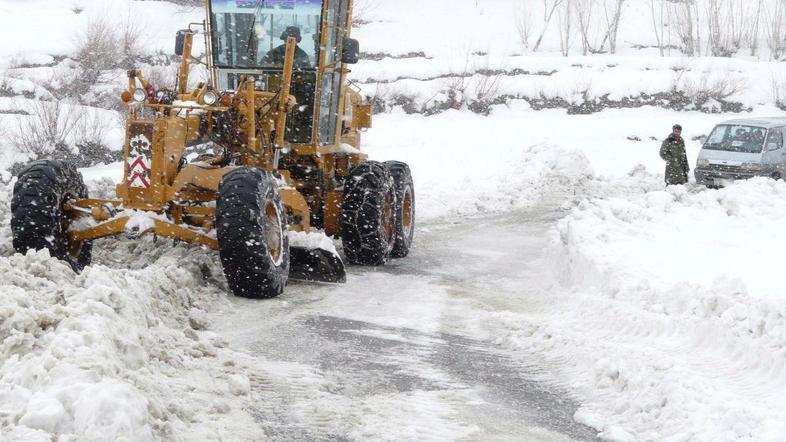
column 283, row 171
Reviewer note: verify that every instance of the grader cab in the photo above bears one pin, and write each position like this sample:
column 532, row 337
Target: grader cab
column 280, row 169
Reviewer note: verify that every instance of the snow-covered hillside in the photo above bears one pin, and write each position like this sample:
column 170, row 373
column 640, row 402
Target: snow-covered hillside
column 658, row 312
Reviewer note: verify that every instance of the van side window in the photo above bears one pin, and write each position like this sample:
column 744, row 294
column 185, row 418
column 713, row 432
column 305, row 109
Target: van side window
column 776, row 137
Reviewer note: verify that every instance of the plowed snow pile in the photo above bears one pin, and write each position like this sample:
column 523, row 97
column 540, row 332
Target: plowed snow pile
column 112, row 354
column 676, row 327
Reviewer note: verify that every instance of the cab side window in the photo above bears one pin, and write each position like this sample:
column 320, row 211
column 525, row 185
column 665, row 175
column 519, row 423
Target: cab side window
column 337, row 19
column 775, row 140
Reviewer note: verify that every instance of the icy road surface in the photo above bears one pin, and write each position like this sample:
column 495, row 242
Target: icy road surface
column 410, row 351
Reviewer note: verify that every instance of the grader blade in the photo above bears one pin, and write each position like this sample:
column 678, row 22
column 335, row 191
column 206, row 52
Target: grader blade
column 318, row 265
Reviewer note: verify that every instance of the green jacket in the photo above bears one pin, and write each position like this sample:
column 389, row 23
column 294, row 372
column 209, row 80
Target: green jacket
column 672, row 151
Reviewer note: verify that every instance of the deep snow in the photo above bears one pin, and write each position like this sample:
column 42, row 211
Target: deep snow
column 658, row 311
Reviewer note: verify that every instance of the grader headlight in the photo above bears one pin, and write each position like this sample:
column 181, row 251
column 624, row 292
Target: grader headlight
column 139, row 95
column 210, row 98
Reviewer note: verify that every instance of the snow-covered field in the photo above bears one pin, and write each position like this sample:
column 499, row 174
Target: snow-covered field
column 661, row 312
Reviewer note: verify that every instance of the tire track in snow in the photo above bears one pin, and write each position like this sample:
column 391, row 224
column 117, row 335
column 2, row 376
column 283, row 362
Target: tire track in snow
column 455, row 383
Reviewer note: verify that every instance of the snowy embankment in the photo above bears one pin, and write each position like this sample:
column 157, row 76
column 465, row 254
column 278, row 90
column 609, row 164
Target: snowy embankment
column 677, row 321
column 114, row 354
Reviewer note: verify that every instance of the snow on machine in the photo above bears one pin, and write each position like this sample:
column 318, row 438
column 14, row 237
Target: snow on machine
column 283, row 171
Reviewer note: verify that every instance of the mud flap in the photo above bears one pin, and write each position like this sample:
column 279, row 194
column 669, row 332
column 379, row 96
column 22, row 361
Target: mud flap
column 318, row 265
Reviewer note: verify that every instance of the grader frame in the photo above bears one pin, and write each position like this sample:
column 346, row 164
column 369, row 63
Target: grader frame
column 179, row 196
column 282, row 176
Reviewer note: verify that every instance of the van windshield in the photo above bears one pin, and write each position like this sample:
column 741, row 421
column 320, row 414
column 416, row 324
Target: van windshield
column 736, row 138
column 253, row 33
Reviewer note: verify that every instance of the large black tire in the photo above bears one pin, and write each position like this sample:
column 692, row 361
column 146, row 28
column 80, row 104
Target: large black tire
column 368, row 215
column 251, row 225
column 405, row 208
column 38, row 220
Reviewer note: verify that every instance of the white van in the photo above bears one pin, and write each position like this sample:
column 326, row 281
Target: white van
column 741, row 149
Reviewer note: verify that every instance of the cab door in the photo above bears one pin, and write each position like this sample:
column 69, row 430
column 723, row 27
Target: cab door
column 335, row 26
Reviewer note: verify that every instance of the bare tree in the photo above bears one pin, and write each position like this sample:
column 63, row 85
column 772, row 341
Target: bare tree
column 743, row 17
column 612, row 10
column 721, row 26
column 598, row 22
column 732, row 24
column 523, row 19
column 753, row 37
column 362, row 10
column 584, row 10
column 658, row 12
column 549, row 8
column 101, row 48
column 565, row 27
column 48, row 128
column 778, row 91
column 774, row 32
column 684, row 15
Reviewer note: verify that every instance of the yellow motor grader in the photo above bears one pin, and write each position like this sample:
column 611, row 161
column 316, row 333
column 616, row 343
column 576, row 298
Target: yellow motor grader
column 278, row 128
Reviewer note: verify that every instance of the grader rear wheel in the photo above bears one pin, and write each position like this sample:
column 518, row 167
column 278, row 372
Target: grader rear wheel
column 38, row 216
column 368, row 214
column 405, row 208
column 251, row 226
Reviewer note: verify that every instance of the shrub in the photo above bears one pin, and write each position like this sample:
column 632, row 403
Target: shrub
column 54, row 130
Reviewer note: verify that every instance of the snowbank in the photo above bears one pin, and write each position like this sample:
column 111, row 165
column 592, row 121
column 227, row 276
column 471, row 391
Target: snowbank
column 112, row 354
column 674, row 328
column 669, row 236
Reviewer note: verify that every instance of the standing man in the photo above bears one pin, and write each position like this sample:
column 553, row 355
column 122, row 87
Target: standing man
column 672, row 151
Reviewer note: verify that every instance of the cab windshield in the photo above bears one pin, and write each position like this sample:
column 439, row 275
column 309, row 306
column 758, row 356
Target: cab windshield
column 736, row 138
column 252, row 34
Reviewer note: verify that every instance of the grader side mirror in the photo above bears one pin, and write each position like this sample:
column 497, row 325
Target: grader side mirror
column 351, row 53
column 180, row 41
column 361, row 116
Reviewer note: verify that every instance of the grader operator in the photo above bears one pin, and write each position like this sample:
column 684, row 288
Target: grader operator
column 284, row 171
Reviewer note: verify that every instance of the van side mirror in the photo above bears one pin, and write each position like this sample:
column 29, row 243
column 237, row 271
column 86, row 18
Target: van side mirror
column 773, row 146
column 180, row 41
column 351, row 54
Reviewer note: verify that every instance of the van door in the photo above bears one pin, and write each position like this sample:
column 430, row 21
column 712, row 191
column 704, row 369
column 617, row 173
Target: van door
column 774, row 159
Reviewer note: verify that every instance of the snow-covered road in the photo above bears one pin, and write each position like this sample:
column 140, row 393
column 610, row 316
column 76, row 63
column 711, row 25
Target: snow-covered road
column 542, row 298
column 411, row 351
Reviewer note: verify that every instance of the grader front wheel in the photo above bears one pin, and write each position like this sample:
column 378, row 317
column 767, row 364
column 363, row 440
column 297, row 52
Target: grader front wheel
column 39, row 219
column 251, row 226
column 368, row 214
